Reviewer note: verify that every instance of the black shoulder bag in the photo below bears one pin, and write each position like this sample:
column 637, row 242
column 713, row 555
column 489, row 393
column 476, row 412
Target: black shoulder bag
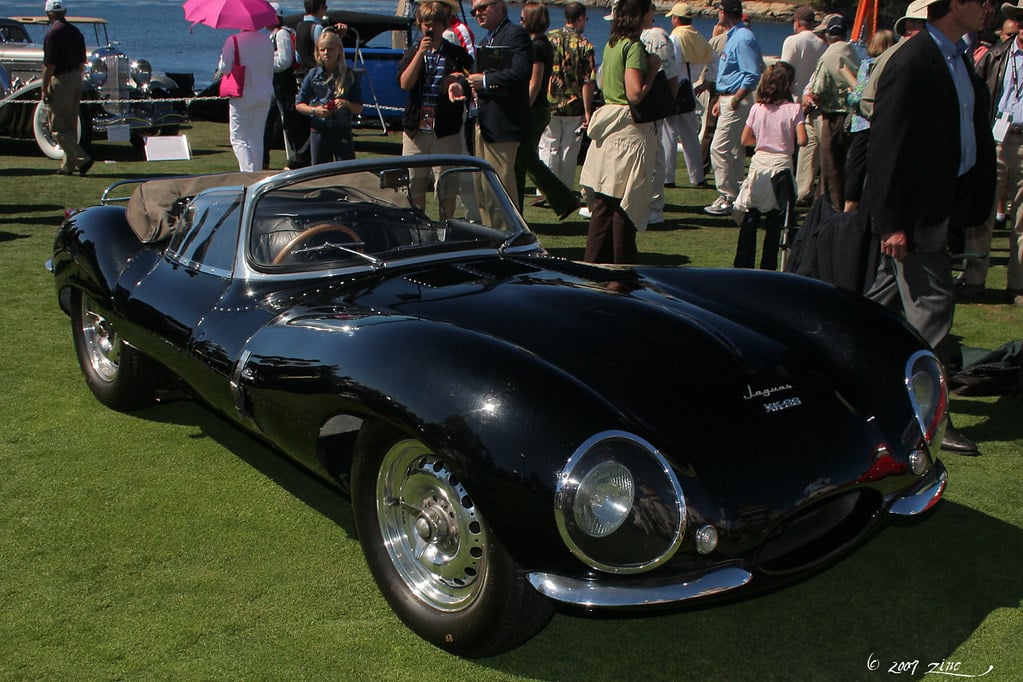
column 685, row 99
column 658, row 103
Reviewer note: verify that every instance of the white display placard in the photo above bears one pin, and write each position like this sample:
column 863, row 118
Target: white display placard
column 168, row 148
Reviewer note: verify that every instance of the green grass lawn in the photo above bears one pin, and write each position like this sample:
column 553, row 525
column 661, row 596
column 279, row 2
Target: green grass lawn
column 164, row 544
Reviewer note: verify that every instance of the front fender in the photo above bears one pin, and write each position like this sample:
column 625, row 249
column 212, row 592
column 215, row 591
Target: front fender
column 483, row 403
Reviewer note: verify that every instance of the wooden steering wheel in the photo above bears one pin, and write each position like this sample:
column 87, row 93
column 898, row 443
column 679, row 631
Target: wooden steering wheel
column 312, row 232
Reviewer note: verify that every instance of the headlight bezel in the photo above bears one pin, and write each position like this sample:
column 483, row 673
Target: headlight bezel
column 928, row 394
column 98, row 72
column 657, row 497
column 141, row 72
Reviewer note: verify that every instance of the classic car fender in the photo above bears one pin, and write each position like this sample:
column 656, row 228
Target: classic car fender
column 92, row 249
column 15, row 115
column 479, row 401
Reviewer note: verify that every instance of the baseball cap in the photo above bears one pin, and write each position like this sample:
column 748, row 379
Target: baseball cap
column 836, row 26
column 805, row 13
column 55, row 6
column 823, row 26
column 732, row 7
column 680, row 9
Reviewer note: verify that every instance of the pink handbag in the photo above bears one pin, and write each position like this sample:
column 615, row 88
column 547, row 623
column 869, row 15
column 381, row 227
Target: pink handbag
column 232, row 84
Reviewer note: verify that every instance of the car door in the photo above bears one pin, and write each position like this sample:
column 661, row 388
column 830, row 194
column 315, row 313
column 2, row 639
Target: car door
column 171, row 306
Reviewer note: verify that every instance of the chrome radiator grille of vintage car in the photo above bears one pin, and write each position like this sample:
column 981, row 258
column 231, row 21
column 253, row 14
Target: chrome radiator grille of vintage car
column 118, row 85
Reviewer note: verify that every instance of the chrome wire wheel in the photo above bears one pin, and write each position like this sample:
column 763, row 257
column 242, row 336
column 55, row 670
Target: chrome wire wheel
column 430, row 528
column 102, row 343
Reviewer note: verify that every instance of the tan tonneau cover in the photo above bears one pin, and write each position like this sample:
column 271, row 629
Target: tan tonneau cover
column 149, row 206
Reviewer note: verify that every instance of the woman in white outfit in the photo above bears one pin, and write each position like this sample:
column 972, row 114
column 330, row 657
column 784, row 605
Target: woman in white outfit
column 247, row 114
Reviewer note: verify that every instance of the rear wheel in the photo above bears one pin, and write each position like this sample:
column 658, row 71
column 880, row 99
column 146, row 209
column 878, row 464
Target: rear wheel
column 432, row 554
column 118, row 375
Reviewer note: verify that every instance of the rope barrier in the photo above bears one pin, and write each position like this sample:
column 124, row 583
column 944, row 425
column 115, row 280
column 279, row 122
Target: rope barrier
column 155, row 100
column 187, row 100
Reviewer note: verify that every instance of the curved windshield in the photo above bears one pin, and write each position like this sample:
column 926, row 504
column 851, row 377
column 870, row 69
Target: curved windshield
column 374, row 216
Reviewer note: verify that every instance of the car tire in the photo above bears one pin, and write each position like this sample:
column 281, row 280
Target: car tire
column 441, row 568
column 118, row 375
column 44, row 138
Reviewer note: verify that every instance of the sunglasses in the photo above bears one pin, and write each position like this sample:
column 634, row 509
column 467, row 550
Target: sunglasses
column 480, row 7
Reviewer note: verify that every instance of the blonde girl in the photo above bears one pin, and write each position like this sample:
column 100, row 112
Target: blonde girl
column 330, row 95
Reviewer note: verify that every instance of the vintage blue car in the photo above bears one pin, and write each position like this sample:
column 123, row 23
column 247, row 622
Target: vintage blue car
column 528, row 431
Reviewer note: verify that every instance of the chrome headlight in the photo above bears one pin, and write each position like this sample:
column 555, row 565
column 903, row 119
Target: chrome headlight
column 928, row 394
column 97, row 70
column 618, row 504
column 141, row 72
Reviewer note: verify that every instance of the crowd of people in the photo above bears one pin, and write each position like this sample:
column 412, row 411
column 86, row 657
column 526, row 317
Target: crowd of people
column 922, row 138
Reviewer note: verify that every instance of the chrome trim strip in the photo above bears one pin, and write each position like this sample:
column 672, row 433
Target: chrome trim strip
column 600, row 595
column 924, row 498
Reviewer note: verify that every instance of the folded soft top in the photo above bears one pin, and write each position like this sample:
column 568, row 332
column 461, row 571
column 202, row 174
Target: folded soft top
column 150, row 207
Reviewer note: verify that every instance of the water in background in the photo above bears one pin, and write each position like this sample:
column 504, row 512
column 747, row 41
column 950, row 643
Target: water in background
column 156, row 29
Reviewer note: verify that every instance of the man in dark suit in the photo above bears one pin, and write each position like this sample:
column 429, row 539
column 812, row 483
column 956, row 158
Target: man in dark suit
column 501, row 84
column 930, row 169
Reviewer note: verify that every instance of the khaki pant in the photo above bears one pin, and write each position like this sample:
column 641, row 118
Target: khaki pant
column 65, row 98
column 808, row 166
column 500, row 155
column 727, row 154
column 1009, row 187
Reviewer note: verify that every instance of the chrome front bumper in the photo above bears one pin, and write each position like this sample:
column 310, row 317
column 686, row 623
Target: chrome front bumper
column 927, row 493
column 589, row 594
column 592, row 595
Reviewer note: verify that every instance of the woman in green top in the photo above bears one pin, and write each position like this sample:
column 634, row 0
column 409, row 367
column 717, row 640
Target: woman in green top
column 620, row 162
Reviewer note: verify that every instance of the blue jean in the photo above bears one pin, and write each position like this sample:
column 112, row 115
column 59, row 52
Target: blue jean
column 331, row 144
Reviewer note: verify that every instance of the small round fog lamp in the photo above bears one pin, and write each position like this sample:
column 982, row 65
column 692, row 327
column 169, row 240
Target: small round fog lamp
column 919, row 462
column 706, row 539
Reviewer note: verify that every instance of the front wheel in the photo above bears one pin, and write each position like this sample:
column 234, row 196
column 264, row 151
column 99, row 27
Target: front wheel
column 117, row 374
column 432, row 554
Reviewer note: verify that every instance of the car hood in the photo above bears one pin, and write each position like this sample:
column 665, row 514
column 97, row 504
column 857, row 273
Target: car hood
column 737, row 377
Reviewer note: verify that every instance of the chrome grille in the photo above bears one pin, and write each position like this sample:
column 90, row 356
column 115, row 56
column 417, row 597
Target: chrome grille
column 118, row 85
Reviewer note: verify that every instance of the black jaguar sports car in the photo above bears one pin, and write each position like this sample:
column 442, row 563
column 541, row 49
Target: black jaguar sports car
column 528, row 431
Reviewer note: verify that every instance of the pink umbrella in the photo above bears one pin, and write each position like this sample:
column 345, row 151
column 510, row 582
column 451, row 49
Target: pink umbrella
column 245, row 15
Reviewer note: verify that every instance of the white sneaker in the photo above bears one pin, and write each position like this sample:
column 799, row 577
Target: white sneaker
column 721, row 206
column 584, row 212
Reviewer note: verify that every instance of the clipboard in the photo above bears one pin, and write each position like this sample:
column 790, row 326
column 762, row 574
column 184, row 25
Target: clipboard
column 491, row 58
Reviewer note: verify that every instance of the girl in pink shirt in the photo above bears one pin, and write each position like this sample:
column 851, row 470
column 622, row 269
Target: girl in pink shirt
column 774, row 128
